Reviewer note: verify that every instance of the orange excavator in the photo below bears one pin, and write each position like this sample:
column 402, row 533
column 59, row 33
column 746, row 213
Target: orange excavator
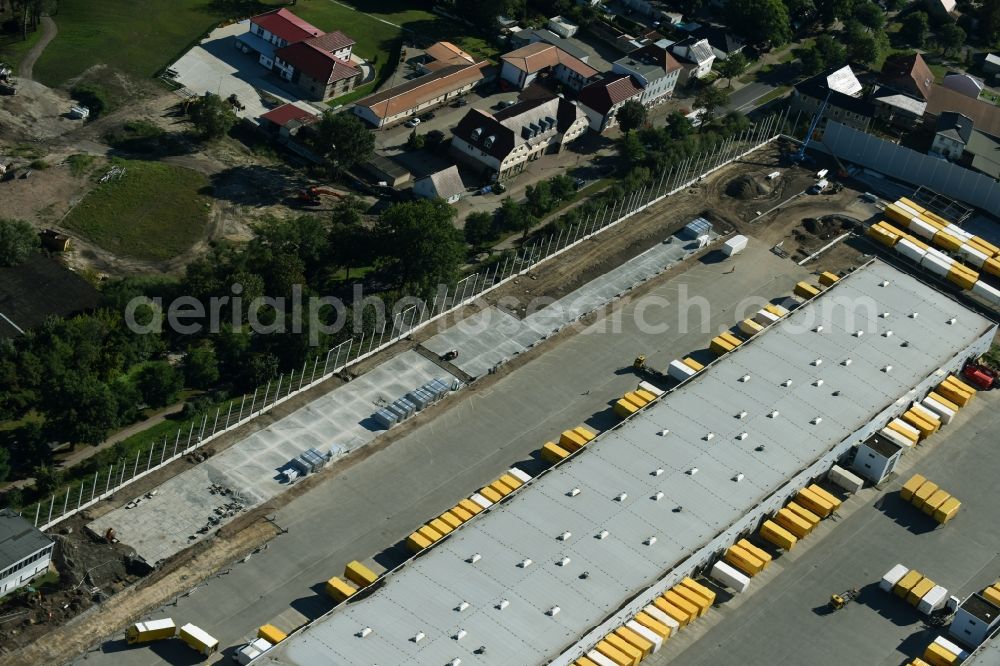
column 311, row 196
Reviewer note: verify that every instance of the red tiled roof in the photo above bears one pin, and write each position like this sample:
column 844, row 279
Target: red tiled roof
column 985, row 116
column 603, row 95
column 285, row 114
column 318, row 64
column 332, row 41
column 286, row 25
column 388, row 103
column 536, row 57
column 909, row 74
column 448, row 53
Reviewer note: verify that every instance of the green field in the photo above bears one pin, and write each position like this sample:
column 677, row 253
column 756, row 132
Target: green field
column 13, row 48
column 153, row 213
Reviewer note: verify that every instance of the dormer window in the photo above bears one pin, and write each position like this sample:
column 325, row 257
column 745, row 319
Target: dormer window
column 476, row 133
column 488, row 143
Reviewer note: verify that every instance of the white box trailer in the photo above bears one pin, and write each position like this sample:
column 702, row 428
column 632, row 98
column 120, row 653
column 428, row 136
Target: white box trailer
column 892, row 577
column 661, row 617
column 765, row 318
column 734, row 245
column 646, row 633
column 730, row 576
column 895, row 437
column 251, row 651
column 679, row 371
column 944, row 414
column 198, row 639
column 952, row 648
column 933, row 601
column 849, row 481
column 646, row 386
column 910, row 250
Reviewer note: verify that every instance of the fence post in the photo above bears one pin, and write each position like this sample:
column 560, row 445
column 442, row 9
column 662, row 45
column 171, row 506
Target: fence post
column 135, row 468
column 215, row 426
column 121, row 479
column 51, row 505
column 337, row 360
column 163, row 451
column 107, row 488
column 201, row 433
column 266, row 389
column 65, row 502
column 312, row 376
column 302, row 376
column 149, row 461
column 190, row 433
column 93, row 491
column 228, row 414
column 38, row 510
column 79, row 499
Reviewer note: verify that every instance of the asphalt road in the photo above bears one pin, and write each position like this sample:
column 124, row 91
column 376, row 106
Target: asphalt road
column 380, row 501
column 784, row 619
column 745, row 99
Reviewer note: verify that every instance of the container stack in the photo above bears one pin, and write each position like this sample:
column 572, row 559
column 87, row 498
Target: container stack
column 929, row 498
column 943, row 652
column 724, row 343
column 805, row 290
column 415, row 401
column 916, row 589
column 633, row 401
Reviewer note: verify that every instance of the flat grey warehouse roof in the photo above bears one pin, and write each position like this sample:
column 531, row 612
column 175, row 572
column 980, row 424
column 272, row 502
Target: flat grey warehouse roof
column 697, row 427
column 18, row 538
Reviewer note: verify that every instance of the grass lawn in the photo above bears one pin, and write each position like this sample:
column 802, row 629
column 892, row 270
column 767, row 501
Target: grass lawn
column 13, row 48
column 152, row 213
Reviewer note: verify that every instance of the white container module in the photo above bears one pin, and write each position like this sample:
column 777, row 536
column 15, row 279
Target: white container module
column 952, row 648
column 972, row 255
column 910, row 250
column 646, row 633
column 646, row 386
column 892, row 577
column 661, row 617
column 679, row 371
column 599, row 658
column 944, row 414
column 252, row 650
column 921, row 228
column 934, row 600
column 480, row 500
column 730, row 576
column 986, row 292
column 523, row 477
column 936, row 265
column 895, row 437
column 958, row 231
column 765, row 318
column 849, row 481
column 734, row 245
column 903, row 425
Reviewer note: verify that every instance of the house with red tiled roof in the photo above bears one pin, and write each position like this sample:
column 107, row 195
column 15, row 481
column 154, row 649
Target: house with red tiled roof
column 286, row 120
column 523, row 65
column 908, row 74
column 654, row 69
column 601, row 99
column 319, row 63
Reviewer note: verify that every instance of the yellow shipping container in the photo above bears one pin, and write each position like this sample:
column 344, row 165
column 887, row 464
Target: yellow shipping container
column 583, row 661
column 959, row 384
column 654, row 625
column 510, row 481
column 992, row 595
column 501, row 488
column 992, row 266
column 882, row 235
column 961, row 276
column 908, row 433
column 700, row 603
column 416, row 542
column 927, row 415
column 450, row 519
column 911, row 486
column 906, row 583
column 916, row 241
column 743, row 560
column 825, row 494
column 678, row 614
column 947, row 511
column 719, row 346
column 271, row 634
column 442, row 527
column 359, row 574
column 946, row 241
column 925, row 428
column 701, row 589
column 803, row 513
column 635, row 640
column 623, row 646
column 938, row 656
column 750, row 327
column 805, row 290
column 429, row 533
column 571, row 441
column 917, row 661
column 691, row 363
column 923, row 493
column 897, row 214
column 614, row 654
column 775, row 534
column 625, row 409
column 339, row 590
column 776, row 310
column 588, row 435
column 490, row 494
column 826, row 278
column 793, row 523
column 471, row 506
column 810, row 500
column 935, row 501
column 635, row 399
column 918, row 591
column 759, row 553
column 459, row 512
column 961, row 398
column 943, row 401
column 644, row 394
column 731, row 339
column 680, row 602
column 911, row 204
column 985, row 246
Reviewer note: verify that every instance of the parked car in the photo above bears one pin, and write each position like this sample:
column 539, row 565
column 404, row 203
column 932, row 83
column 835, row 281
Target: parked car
column 579, row 183
column 412, row 122
column 426, row 116
column 460, row 102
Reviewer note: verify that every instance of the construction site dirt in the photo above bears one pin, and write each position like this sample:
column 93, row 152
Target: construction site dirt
column 133, row 595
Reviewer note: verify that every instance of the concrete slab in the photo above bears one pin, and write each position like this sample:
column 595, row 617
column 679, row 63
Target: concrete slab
column 492, row 337
column 338, row 423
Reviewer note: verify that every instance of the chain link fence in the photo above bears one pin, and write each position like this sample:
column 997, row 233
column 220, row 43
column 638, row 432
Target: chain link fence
column 107, row 482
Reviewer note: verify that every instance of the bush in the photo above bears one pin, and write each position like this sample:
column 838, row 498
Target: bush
column 79, row 164
column 93, row 97
column 40, row 165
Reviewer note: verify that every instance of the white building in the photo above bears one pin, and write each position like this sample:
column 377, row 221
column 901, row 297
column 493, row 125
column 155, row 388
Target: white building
column 601, row 99
column 445, row 184
column 563, row 27
column 974, row 620
column 951, row 135
column 522, row 66
column 25, row 552
column 501, row 145
column 876, row 458
column 654, row 69
column 695, row 56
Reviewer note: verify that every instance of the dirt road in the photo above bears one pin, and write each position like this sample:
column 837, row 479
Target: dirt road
column 49, row 30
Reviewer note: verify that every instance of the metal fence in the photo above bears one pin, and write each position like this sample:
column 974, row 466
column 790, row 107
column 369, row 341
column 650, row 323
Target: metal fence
column 186, row 440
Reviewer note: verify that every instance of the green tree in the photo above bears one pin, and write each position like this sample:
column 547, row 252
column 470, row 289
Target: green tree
column 630, row 115
column 17, row 241
column 46, row 480
column 212, row 116
column 631, row 149
column 869, row 15
column 479, row 230
column 732, row 67
column 419, row 245
column 952, row 37
column 343, row 139
column 159, row 383
column 81, row 409
column 833, row 52
column 539, row 197
column 563, row 187
column 4, row 464
column 915, row 28
column 512, row 216
column 201, row 367
column 762, row 22
column 415, row 141
column 812, row 60
column 801, row 10
column 989, row 20
column 710, row 98
column 350, row 243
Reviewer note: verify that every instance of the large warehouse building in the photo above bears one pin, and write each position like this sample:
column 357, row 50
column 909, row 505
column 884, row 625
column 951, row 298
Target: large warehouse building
column 542, row 576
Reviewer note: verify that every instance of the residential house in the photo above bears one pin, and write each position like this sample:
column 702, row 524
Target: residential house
column 724, row 43
column 841, row 91
column 908, row 74
column 424, row 92
column 522, row 66
column 386, row 172
column 601, row 99
column 25, row 552
column 991, row 64
column 966, row 84
column 985, row 116
column 318, row 63
column 524, row 37
column 654, row 70
column 502, row 144
column 445, row 184
column 941, row 9
column 898, row 109
column 695, row 57
column 286, row 120
column 444, row 54
column 563, row 27
column 951, row 135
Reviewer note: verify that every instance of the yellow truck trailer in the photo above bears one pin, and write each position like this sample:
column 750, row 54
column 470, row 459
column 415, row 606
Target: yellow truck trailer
column 339, row 590
column 827, row 278
column 700, row 589
column 416, row 542
column 803, row 513
column 805, row 290
column 720, row 346
column 152, row 630
column 830, row 498
column 743, row 560
column 694, row 598
column 793, row 523
column 679, row 615
column 777, row 535
column 815, row 503
column 935, row 501
column 551, row 453
column 359, row 574
column 198, row 639
column 759, row 553
column 271, row 634
column 571, row 441
column 917, row 592
column 923, row 494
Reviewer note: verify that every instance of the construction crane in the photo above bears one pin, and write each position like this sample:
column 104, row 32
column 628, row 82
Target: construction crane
column 801, row 154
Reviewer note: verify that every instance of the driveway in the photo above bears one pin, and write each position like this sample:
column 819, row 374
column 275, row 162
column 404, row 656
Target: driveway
column 216, row 66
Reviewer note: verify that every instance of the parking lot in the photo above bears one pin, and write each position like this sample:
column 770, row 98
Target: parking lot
column 784, row 617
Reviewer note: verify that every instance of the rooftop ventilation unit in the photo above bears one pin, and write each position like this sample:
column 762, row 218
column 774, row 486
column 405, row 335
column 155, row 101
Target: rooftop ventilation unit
column 565, row 536
column 650, row 540
column 818, row 329
column 621, row 497
column 476, row 133
column 914, row 315
column 552, row 612
column 692, row 471
column 952, row 320
column 818, row 362
column 786, row 383
column 603, row 534
column 462, row 606
column 364, row 632
column 887, row 334
column 745, row 378
column 885, row 315
column 574, row 492
column 846, row 361
column 663, row 433
column 526, row 132
column 488, row 143
column 773, row 414
column 419, row 636
column 460, row 634
column 657, row 496
column 535, row 129
column 817, row 420
column 708, row 437
column 738, row 477
column 455, row 662
column 658, row 471
column 858, row 333
column 525, row 563
column 818, row 382
column 887, row 369
column 503, row 604
column 742, row 436
column 741, row 414
column 884, row 283
column 563, row 561
column 475, row 558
